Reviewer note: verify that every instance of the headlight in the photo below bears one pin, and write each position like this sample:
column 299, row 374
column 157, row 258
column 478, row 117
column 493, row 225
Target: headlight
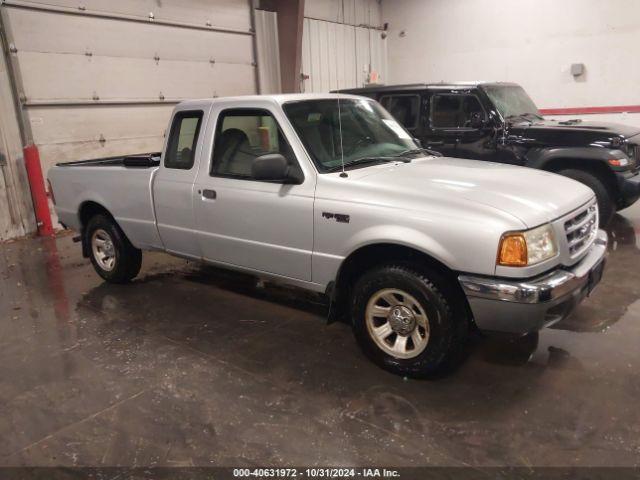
column 521, row 249
column 621, row 163
column 625, row 159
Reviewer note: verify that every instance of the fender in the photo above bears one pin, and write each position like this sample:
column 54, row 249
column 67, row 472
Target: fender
column 539, row 157
column 395, row 245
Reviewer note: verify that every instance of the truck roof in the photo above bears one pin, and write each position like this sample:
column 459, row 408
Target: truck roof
column 420, row 86
column 253, row 99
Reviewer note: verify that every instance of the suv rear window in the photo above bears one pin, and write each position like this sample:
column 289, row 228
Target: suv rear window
column 404, row 108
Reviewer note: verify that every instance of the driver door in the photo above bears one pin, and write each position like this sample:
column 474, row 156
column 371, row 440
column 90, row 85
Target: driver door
column 258, row 225
column 475, row 137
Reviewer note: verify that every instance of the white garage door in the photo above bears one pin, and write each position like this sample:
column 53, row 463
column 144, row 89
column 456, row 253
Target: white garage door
column 100, row 77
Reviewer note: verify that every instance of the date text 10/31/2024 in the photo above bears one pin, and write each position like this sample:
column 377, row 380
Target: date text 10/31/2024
column 315, row 473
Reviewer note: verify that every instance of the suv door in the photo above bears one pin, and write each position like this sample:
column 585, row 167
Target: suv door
column 259, row 225
column 458, row 121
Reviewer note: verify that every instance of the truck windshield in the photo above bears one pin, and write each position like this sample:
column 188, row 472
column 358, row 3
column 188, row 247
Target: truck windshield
column 512, row 101
column 369, row 133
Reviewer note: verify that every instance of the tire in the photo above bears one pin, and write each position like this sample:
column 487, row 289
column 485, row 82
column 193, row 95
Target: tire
column 112, row 255
column 445, row 331
column 606, row 203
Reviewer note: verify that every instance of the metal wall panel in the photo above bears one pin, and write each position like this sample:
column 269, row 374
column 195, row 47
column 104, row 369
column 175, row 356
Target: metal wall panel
column 55, row 77
column 48, row 32
column 336, row 55
column 109, row 73
column 232, row 14
column 64, row 133
column 349, row 12
column 99, row 78
column 16, row 210
column 268, row 51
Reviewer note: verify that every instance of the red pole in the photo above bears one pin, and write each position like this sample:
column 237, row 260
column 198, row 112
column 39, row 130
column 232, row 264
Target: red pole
column 38, row 191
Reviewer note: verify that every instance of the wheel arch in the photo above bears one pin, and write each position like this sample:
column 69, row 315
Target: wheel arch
column 90, row 208
column 87, row 210
column 370, row 255
column 592, row 160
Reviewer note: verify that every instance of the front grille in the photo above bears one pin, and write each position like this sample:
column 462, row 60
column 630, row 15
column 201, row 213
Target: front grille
column 635, row 156
column 582, row 229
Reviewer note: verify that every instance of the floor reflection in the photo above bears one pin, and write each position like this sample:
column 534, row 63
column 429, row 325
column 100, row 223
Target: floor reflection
column 191, row 365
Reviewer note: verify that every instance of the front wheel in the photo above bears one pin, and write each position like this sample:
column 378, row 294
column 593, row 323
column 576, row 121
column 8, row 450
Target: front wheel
column 112, row 255
column 403, row 321
column 606, row 203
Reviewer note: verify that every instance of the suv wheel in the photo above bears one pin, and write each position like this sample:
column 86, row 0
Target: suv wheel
column 404, row 322
column 606, row 204
column 112, row 255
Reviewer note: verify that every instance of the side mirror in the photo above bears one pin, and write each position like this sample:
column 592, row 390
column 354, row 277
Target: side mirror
column 478, row 120
column 273, row 167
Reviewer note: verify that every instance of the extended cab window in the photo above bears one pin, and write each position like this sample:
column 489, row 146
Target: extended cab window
column 453, row 111
column 243, row 135
column 183, row 140
column 404, row 108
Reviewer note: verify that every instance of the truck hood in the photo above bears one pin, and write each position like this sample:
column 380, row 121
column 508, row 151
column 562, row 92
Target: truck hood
column 532, row 196
column 573, row 132
column 605, row 128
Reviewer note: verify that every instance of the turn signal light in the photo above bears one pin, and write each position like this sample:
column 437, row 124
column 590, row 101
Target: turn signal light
column 513, row 250
column 618, row 162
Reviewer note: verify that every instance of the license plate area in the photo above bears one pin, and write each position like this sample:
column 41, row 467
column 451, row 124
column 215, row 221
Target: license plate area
column 595, row 275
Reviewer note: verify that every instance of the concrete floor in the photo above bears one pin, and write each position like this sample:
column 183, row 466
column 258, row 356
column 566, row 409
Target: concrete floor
column 194, row 366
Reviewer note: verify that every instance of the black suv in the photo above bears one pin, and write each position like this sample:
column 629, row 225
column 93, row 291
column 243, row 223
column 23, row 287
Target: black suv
column 500, row 123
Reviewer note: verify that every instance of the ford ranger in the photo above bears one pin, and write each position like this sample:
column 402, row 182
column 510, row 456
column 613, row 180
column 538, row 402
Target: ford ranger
column 330, row 193
column 499, row 122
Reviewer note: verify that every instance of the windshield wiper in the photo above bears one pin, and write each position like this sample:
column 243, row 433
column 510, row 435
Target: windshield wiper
column 534, row 115
column 420, row 150
column 367, row 160
column 526, row 116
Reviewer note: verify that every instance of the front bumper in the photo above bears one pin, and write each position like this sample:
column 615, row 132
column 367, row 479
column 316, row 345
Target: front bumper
column 523, row 306
column 629, row 186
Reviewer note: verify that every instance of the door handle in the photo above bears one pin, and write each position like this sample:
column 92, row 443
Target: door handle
column 210, row 194
column 438, row 143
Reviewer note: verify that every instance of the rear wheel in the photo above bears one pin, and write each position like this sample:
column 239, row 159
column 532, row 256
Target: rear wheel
column 606, row 203
column 404, row 322
column 112, row 255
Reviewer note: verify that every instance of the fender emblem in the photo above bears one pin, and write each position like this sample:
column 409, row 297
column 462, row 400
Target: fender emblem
column 339, row 217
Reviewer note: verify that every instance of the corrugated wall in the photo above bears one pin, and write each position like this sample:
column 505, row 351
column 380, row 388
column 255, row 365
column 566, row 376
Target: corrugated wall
column 16, row 211
column 268, row 51
column 343, row 45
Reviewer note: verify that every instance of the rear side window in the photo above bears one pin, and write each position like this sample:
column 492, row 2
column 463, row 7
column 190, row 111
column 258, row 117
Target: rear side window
column 243, row 135
column 404, row 108
column 183, row 139
column 454, row 111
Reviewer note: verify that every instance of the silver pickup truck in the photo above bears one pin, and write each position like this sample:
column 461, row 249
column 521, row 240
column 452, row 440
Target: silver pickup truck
column 331, row 194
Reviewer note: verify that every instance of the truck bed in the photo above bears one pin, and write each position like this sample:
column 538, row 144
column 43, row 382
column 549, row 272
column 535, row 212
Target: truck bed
column 121, row 185
column 142, row 160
